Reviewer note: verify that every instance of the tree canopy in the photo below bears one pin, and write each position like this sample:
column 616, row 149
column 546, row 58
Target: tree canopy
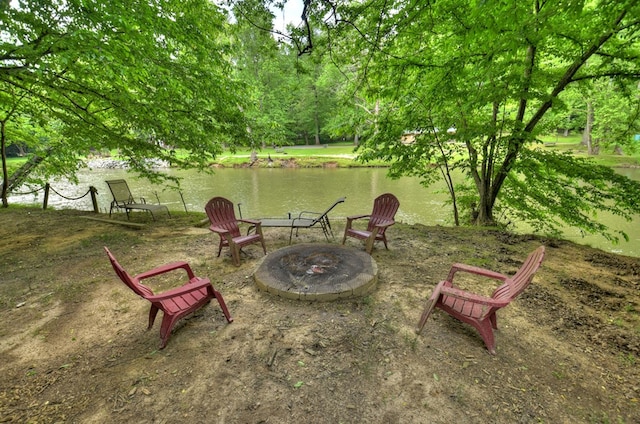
column 452, row 89
column 492, row 71
column 142, row 77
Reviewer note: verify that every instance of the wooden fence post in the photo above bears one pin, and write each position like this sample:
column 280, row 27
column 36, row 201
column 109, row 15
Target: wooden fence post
column 94, row 200
column 46, row 195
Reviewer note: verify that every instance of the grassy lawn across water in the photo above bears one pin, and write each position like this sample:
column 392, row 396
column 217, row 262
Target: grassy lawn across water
column 343, row 155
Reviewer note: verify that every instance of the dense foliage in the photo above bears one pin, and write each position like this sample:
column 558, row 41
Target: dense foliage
column 453, row 89
column 141, row 77
column 491, row 72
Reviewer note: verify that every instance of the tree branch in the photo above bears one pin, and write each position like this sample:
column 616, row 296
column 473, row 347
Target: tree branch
column 518, row 139
column 572, row 70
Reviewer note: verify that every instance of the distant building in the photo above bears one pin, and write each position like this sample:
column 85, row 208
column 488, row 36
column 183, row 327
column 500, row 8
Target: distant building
column 409, row 137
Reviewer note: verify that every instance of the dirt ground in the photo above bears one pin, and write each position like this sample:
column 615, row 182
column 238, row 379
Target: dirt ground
column 74, row 346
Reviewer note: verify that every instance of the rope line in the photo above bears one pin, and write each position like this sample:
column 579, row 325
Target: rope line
column 55, row 191
column 86, row 194
column 28, row 192
column 70, row 198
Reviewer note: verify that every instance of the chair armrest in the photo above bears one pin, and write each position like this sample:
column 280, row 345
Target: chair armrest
column 304, row 222
column 218, row 230
column 197, row 284
column 385, row 224
column 475, row 270
column 253, row 224
column 352, row 218
column 309, row 213
column 166, row 268
column 313, row 216
column 325, row 213
column 463, row 295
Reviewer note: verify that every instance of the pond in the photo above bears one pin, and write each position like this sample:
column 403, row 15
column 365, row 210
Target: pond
column 275, row 192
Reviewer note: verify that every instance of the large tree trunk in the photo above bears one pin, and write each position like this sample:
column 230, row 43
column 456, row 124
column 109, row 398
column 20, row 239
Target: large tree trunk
column 18, row 177
column 5, row 175
column 23, row 172
column 484, row 214
column 587, row 139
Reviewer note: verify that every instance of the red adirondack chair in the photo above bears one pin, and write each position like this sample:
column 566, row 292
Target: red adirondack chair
column 385, row 207
column 223, row 222
column 480, row 311
column 175, row 303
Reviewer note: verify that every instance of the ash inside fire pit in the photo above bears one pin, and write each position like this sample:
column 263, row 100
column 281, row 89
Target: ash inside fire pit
column 317, row 272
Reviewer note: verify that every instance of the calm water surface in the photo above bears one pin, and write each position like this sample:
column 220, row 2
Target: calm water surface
column 275, row 192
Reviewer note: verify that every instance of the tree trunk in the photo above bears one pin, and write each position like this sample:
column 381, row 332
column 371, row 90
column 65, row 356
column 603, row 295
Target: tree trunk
column 586, row 135
column 23, row 172
column 5, row 175
column 484, row 213
column 316, row 119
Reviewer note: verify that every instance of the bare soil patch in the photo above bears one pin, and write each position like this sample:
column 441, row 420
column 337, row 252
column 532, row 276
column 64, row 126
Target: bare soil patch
column 74, row 345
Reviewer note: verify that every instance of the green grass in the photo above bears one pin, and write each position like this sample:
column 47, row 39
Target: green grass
column 14, row 163
column 573, row 144
column 571, row 139
column 298, row 151
column 342, row 155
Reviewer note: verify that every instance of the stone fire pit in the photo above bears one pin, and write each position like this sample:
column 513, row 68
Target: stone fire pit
column 317, row 272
